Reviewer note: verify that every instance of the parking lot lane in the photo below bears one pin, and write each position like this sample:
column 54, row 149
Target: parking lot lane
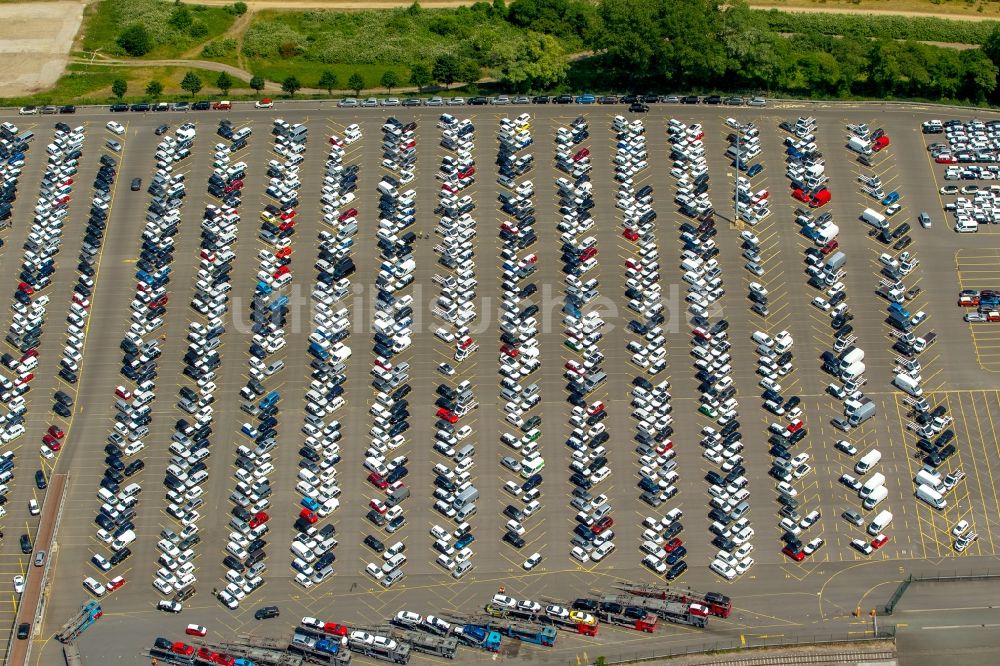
column 977, row 494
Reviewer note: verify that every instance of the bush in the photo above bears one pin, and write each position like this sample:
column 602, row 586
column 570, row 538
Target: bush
column 219, row 48
column 198, row 30
column 263, row 40
column 135, row 40
column 238, row 8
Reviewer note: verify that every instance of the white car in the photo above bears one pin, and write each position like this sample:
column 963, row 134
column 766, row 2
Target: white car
column 263, row 104
column 960, row 528
column 115, row 127
column 723, row 569
column 579, row 554
column 19, row 584
column 821, row 303
column 532, row 561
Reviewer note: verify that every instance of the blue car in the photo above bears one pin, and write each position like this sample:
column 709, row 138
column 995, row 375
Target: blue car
column 309, row 503
column 464, row 541
column 891, row 198
column 754, row 169
column 586, row 99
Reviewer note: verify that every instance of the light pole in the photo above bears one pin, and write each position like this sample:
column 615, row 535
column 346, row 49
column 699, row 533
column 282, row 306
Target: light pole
column 874, row 622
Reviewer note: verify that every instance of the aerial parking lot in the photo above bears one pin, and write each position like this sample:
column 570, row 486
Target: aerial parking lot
column 339, row 363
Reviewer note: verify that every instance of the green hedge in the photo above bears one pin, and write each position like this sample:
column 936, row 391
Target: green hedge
column 918, row 28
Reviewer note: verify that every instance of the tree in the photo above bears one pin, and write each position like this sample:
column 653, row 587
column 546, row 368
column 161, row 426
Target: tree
column 291, row 86
column 992, row 46
column 224, row 82
column 154, row 89
column 119, row 87
column 980, row 74
column 356, row 83
column 191, row 82
column 180, row 19
column 445, row 69
column 329, row 81
column 469, row 72
column 257, row 83
column 239, row 8
column 629, row 36
column 420, row 76
column 389, row 80
column 536, row 61
column 135, row 40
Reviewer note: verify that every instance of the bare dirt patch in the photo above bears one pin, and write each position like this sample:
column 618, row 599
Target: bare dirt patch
column 35, row 41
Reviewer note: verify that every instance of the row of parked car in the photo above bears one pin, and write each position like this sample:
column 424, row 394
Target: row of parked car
column 455, row 308
column 519, row 352
column 935, row 440
column 710, row 348
column 312, row 548
column 188, row 471
column 244, row 555
column 663, row 552
column 140, row 351
column 593, row 537
column 393, row 321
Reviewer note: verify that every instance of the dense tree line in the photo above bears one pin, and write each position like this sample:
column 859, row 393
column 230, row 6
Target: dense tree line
column 707, row 45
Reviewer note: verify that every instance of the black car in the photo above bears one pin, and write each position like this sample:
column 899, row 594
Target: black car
column 136, row 184
column 690, row 99
column 233, row 563
column 677, row 570
column 120, row 556
column 201, row 106
column 63, row 398
column 266, row 613
column 374, row 544
column 162, row 129
column 69, row 108
column 140, row 107
column 25, row 544
column 40, row 481
column 118, row 108
column 23, row 630
column 541, row 99
column 638, row 107
column 513, row 539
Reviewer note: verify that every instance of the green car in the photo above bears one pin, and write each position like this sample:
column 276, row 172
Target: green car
column 574, row 345
column 708, row 411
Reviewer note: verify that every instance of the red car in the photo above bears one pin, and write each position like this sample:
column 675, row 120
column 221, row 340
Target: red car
column 631, row 234
column 115, row 583
column 673, row 545
column 443, row 413
column 56, row 432
column 588, row 253
column 830, row 247
column 281, row 271
column 595, row 408
column 582, row 154
column 665, row 446
column 793, row 553
column 205, row 653
column 195, row 630
column 945, row 159
column 879, row 541
column 258, row 520
column 377, row 481
column 468, row 172
column 447, row 187
column 288, row 214
column 336, row 141
column 309, row 515
column 795, row 425
column 510, row 351
column 181, row 647
column 800, row 195
column 284, row 252
column 25, row 288
column 378, row 506
column 51, row 442
column 335, row 629
column 602, row 524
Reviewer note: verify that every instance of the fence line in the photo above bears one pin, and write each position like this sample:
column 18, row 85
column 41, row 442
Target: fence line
column 749, row 643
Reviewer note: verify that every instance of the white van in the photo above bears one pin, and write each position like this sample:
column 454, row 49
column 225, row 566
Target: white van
column 881, row 521
column 868, row 461
column 927, row 478
column 877, row 479
column 965, row 226
column 126, row 538
column 532, row 467
column 875, row 498
column 931, row 496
